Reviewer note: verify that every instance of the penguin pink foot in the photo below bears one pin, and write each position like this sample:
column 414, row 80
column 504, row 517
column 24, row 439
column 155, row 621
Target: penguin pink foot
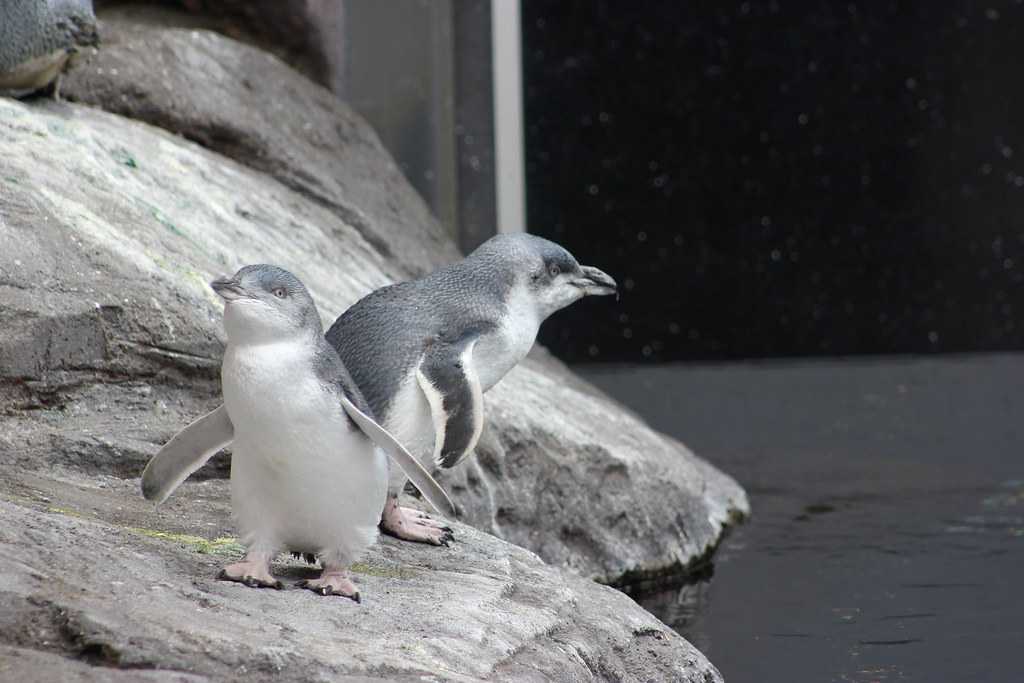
column 332, row 581
column 413, row 525
column 253, row 571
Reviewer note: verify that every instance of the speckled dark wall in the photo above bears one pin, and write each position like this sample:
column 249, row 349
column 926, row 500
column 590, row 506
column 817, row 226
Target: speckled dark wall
column 771, row 179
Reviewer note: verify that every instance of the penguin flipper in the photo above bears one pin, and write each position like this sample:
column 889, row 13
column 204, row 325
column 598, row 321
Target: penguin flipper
column 186, row 452
column 420, row 478
column 452, row 388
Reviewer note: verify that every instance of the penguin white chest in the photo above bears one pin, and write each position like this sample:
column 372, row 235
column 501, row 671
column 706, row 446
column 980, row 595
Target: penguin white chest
column 271, row 389
column 302, row 476
column 501, row 350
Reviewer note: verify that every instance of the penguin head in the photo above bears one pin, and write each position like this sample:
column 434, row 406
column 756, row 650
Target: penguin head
column 544, row 271
column 264, row 303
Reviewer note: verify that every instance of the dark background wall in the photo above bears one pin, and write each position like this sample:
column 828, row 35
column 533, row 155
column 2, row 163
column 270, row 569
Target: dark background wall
column 777, row 179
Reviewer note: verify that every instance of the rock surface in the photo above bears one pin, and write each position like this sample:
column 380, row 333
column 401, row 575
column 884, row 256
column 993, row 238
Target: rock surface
column 111, row 339
column 250, row 106
column 94, row 580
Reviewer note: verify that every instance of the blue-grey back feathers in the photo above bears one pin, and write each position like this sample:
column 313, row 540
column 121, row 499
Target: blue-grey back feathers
column 383, row 336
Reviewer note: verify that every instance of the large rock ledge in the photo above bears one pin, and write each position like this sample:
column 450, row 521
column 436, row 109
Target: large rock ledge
column 104, row 581
column 110, row 340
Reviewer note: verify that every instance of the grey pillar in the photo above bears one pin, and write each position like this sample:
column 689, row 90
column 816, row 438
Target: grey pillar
column 424, row 74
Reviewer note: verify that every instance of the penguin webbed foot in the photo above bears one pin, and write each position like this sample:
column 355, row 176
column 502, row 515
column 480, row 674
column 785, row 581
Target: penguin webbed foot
column 332, row 582
column 413, row 525
column 423, row 518
column 251, row 574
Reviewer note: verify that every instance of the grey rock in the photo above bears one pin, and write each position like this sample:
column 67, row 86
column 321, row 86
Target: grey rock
column 587, row 501
column 304, row 33
column 252, row 107
column 25, row 664
column 569, row 473
column 110, row 341
column 94, row 580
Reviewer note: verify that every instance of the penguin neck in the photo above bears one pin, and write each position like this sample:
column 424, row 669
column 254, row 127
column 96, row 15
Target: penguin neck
column 523, row 316
column 501, row 350
column 252, row 367
column 274, row 356
column 245, row 331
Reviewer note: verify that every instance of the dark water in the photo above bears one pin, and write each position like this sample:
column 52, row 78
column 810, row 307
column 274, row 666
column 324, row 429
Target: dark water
column 887, row 540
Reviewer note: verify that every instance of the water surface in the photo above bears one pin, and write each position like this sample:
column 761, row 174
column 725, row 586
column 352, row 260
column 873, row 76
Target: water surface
column 887, row 537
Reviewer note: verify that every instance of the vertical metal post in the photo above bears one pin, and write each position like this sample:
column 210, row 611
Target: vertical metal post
column 508, row 115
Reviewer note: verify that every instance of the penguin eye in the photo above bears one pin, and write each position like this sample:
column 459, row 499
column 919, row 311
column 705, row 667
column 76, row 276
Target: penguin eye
column 554, row 270
column 280, row 292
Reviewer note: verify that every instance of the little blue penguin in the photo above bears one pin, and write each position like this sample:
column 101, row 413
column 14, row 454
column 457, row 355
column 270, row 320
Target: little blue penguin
column 424, row 352
column 308, row 467
column 36, row 39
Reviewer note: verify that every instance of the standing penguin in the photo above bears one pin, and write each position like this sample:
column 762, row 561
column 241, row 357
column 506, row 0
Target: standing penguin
column 423, row 352
column 36, row 39
column 308, row 474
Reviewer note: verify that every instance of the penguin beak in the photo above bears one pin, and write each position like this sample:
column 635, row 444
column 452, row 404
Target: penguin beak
column 596, row 282
column 229, row 289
